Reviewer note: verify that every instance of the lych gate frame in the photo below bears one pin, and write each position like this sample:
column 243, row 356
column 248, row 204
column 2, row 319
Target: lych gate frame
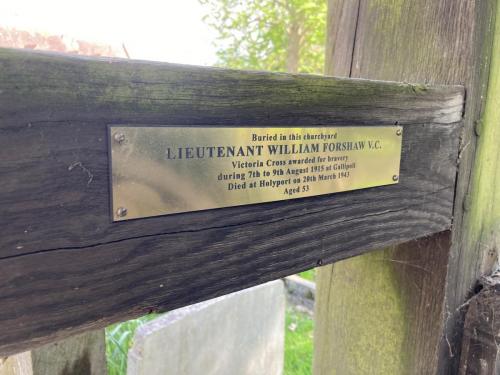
column 63, row 253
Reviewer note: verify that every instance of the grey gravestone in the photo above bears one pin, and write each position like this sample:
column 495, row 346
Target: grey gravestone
column 241, row 333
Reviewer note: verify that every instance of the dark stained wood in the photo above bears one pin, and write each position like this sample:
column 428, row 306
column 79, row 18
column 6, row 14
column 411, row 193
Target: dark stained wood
column 54, row 149
column 444, row 42
column 66, row 268
column 481, row 337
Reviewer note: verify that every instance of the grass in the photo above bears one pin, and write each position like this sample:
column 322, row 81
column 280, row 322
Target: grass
column 309, row 274
column 298, row 343
column 119, row 340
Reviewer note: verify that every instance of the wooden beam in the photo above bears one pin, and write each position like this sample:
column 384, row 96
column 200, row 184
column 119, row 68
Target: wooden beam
column 423, row 283
column 67, row 268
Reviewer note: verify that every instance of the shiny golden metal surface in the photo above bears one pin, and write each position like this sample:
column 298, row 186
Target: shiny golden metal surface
column 159, row 170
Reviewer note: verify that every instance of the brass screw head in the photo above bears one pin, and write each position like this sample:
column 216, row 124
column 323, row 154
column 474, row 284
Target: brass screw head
column 398, row 132
column 121, row 212
column 119, row 138
column 395, row 178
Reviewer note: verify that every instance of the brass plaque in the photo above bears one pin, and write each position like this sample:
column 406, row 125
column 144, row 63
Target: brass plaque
column 161, row 170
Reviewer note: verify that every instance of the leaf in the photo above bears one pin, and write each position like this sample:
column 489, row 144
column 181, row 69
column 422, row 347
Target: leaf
column 255, row 34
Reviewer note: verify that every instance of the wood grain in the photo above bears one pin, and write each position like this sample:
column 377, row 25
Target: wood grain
column 480, row 350
column 476, row 238
column 341, row 31
column 445, row 42
column 65, row 267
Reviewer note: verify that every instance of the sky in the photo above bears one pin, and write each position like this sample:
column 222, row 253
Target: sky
column 167, row 30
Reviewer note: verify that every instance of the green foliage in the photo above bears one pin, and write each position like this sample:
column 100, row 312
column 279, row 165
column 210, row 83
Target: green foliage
column 275, row 35
column 309, row 274
column 119, row 340
column 298, row 343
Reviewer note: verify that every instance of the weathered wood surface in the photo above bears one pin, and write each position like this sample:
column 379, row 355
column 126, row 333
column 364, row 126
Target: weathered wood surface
column 481, row 238
column 66, row 268
column 445, row 42
column 83, row 354
column 480, row 353
column 369, row 322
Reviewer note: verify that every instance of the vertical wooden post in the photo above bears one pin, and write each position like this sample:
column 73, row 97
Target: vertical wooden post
column 83, row 354
column 480, row 350
column 385, row 312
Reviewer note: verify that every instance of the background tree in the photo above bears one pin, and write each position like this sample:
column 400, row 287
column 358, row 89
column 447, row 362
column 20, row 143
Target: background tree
column 276, row 35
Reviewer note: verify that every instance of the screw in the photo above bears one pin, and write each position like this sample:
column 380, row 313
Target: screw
column 398, row 132
column 119, row 138
column 121, row 212
column 395, row 177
